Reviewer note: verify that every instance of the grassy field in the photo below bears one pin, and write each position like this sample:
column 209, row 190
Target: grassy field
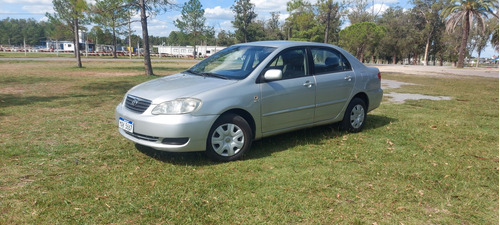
column 69, row 55
column 63, row 160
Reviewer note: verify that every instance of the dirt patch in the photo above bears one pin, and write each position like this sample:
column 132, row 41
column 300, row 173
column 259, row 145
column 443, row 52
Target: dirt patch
column 439, row 70
column 390, row 84
column 400, row 98
column 108, row 74
column 12, row 90
column 52, row 68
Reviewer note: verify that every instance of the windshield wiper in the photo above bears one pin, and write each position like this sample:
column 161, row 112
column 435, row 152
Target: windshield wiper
column 207, row 74
column 213, row 75
column 192, row 72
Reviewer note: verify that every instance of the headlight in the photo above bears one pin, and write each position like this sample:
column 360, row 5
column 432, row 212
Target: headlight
column 177, row 106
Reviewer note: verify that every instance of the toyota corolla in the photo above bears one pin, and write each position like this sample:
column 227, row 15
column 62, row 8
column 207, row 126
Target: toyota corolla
column 247, row 92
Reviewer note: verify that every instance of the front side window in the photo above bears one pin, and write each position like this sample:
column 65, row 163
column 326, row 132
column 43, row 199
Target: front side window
column 235, row 62
column 329, row 61
column 291, row 62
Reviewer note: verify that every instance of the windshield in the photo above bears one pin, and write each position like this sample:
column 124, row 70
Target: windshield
column 235, row 62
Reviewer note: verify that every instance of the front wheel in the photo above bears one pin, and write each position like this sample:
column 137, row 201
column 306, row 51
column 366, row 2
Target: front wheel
column 354, row 117
column 229, row 138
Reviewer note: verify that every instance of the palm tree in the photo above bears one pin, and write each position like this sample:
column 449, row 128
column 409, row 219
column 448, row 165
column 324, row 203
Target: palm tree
column 467, row 13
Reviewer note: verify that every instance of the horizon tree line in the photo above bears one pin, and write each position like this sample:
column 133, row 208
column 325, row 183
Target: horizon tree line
column 432, row 30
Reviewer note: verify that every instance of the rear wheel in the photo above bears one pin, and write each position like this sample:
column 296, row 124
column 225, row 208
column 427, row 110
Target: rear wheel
column 355, row 115
column 229, row 138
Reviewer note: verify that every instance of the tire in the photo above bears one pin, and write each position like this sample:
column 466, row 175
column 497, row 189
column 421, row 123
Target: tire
column 229, row 138
column 355, row 116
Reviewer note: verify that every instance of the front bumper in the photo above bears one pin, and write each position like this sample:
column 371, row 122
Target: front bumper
column 173, row 133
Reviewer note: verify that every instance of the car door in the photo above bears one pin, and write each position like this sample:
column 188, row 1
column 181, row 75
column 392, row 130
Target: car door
column 334, row 83
column 288, row 102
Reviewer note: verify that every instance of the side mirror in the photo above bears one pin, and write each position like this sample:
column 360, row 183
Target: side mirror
column 273, row 74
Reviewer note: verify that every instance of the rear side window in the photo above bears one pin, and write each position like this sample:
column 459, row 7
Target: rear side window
column 329, row 61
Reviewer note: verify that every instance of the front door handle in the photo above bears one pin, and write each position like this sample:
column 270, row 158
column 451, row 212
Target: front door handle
column 308, row 84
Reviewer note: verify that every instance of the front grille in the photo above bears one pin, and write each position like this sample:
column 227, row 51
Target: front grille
column 143, row 137
column 137, row 104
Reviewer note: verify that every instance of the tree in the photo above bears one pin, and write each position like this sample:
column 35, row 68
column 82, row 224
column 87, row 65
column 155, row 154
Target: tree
column 56, row 30
column 226, row 38
column 192, row 21
column 415, row 42
column 20, row 31
column 429, row 10
column 244, row 15
column 301, row 24
column 480, row 39
column 361, row 38
column 467, row 13
column 451, row 46
column 148, row 8
column 111, row 14
column 393, row 42
column 359, row 12
column 494, row 34
column 257, row 31
column 98, row 35
column 273, row 31
column 329, row 14
column 69, row 13
column 178, row 38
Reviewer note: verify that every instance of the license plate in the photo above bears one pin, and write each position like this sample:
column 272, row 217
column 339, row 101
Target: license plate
column 126, row 125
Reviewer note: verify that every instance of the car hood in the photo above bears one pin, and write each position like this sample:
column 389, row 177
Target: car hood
column 180, row 85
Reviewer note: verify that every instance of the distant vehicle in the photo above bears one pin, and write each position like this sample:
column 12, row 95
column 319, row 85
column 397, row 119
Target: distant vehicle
column 250, row 91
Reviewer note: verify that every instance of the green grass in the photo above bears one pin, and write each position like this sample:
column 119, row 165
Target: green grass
column 63, row 161
column 35, row 55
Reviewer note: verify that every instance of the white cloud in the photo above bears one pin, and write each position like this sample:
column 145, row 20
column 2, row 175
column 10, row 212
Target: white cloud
column 35, row 2
column 378, row 9
column 387, row 1
column 156, row 27
column 44, row 19
column 266, row 6
column 224, row 25
column 219, row 13
column 38, row 9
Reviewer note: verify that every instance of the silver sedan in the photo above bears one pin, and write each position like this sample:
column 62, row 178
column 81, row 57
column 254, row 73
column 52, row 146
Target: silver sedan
column 247, row 92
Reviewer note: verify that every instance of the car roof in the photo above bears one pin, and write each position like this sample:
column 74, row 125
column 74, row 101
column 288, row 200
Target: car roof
column 285, row 44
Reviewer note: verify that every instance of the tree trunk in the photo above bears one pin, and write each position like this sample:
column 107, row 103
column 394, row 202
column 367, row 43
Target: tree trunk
column 427, row 44
column 478, row 57
column 328, row 18
column 114, row 39
column 463, row 44
column 195, row 54
column 145, row 39
column 77, row 44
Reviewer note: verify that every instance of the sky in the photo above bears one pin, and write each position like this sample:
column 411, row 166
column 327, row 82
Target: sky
column 218, row 13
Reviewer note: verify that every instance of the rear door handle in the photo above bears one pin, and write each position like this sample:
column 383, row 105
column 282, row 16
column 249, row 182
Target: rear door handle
column 348, row 78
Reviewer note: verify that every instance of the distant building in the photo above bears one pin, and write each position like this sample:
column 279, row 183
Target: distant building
column 188, row 51
column 66, row 46
column 59, row 45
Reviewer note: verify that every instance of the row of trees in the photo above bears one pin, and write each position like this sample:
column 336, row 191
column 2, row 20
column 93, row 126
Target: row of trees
column 433, row 30
column 441, row 30
column 112, row 15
